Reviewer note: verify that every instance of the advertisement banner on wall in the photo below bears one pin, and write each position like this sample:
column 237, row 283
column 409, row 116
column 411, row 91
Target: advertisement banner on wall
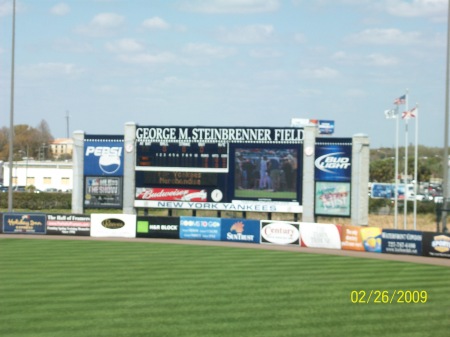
column 317, row 235
column 280, row 232
column 326, row 127
column 332, row 199
column 68, row 224
column 171, row 194
column 361, row 238
column 371, row 237
column 113, row 225
column 103, row 156
column 158, row 227
column 436, row 244
column 200, row 228
column 351, row 238
column 103, row 192
column 382, row 191
column 333, row 159
column 401, row 242
column 240, row 230
column 24, row 223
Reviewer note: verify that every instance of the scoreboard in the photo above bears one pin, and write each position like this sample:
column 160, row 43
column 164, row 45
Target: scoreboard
column 228, row 168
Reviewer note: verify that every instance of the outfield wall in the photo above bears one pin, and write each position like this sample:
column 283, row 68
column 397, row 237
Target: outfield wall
column 267, row 232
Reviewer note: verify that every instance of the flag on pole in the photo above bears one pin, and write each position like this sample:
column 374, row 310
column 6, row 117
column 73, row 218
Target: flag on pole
column 410, row 113
column 401, row 100
column 390, row 114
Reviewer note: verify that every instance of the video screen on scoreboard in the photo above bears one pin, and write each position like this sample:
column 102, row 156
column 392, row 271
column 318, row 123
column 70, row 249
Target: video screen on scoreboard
column 268, row 172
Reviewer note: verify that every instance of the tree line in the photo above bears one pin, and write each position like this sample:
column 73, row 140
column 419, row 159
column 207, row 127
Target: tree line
column 429, row 163
column 31, row 142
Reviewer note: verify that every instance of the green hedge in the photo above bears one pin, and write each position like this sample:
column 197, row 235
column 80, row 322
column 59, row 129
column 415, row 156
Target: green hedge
column 423, row 207
column 37, row 201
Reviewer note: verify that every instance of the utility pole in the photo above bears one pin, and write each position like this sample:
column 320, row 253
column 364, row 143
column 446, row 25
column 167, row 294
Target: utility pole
column 67, row 123
column 445, row 159
column 11, row 114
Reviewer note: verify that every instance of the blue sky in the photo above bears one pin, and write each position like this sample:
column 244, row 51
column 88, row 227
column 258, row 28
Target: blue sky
column 226, row 63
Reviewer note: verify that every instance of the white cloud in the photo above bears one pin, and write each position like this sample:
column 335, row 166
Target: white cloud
column 247, row 34
column 355, row 93
column 265, row 53
column 148, row 58
column 103, row 24
column 52, row 69
column 273, row 75
column 309, row 92
column 205, row 49
column 436, row 9
column 74, row 46
column 60, row 9
column 319, row 73
column 155, row 23
column 124, row 46
column 390, row 36
column 6, row 8
column 230, row 6
column 340, row 55
column 300, row 38
column 382, row 60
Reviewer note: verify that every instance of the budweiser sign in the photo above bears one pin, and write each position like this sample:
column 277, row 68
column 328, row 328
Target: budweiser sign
column 171, row 194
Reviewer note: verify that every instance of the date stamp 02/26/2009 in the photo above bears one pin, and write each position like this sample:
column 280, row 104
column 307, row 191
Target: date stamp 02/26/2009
column 388, row 296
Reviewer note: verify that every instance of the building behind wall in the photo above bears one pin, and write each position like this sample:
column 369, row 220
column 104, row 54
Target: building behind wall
column 43, row 175
column 62, row 148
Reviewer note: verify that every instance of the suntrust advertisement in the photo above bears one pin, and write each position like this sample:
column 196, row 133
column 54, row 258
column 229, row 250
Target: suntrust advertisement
column 240, row 230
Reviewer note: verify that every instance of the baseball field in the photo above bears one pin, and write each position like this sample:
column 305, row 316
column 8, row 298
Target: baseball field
column 82, row 288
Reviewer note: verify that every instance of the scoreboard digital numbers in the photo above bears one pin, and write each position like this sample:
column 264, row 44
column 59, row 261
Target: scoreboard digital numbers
column 183, row 156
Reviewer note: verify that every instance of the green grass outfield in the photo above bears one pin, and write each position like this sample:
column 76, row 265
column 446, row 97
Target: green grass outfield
column 68, row 288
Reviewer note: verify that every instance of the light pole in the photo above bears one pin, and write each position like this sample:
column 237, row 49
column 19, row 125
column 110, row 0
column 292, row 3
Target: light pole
column 445, row 159
column 11, row 113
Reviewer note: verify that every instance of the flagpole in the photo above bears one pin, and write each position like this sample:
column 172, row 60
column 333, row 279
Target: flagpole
column 405, row 178
column 416, row 152
column 396, row 171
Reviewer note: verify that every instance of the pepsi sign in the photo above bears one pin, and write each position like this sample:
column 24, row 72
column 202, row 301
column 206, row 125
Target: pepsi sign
column 103, row 158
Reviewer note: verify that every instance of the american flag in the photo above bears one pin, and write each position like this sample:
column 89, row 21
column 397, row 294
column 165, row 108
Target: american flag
column 409, row 114
column 400, row 100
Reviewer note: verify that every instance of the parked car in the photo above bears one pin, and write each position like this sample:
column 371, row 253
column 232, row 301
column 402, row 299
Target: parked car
column 19, row 188
column 51, row 190
column 423, row 197
column 439, row 199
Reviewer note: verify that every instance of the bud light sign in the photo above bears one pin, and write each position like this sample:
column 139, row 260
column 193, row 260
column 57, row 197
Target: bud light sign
column 103, row 157
column 333, row 162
